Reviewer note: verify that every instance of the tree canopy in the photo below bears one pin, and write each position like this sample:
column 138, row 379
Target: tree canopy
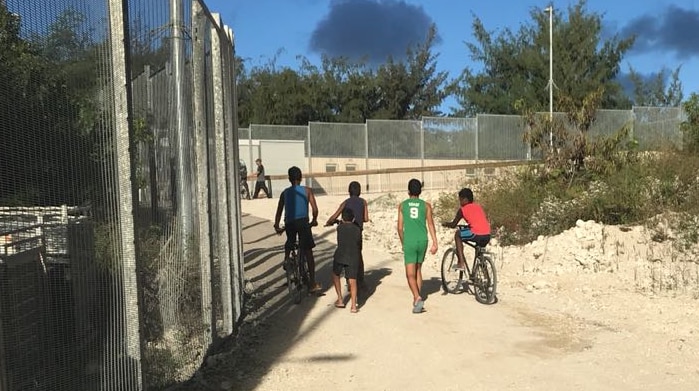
column 515, row 64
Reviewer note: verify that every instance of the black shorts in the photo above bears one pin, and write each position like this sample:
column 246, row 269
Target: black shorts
column 302, row 229
column 351, row 271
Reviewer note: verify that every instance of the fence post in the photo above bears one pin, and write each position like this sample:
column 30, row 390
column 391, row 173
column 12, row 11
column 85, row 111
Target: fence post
column 222, row 184
column 309, row 180
column 233, row 155
column 129, row 339
column 478, row 130
column 202, row 161
column 422, row 151
column 366, row 152
column 177, row 116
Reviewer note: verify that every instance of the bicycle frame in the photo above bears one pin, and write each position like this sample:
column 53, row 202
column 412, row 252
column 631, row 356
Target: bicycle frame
column 479, row 278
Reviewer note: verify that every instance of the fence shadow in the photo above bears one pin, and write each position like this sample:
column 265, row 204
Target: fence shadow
column 267, row 303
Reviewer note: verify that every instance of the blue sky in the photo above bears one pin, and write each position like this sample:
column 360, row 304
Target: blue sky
column 285, row 29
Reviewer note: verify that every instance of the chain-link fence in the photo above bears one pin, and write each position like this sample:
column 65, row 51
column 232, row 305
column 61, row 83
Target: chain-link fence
column 120, row 240
column 383, row 147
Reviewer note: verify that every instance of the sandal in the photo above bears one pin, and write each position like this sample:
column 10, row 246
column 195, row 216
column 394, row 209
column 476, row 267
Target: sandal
column 339, row 304
column 354, row 310
column 314, row 289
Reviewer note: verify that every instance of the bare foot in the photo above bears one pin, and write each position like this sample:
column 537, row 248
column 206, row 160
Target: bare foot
column 354, row 310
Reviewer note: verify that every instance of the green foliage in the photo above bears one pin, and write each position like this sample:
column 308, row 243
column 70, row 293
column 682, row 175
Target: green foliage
column 48, row 108
column 532, row 203
column 690, row 126
column 342, row 91
column 656, row 92
column 515, row 64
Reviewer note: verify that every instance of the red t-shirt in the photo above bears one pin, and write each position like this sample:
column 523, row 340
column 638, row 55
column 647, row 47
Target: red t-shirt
column 475, row 217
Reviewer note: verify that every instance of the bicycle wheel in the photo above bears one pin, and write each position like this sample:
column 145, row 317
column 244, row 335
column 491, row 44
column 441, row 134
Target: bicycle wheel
column 485, row 280
column 452, row 280
column 293, row 280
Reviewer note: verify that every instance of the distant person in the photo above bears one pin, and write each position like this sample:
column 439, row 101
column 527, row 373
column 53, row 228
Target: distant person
column 414, row 222
column 360, row 210
column 243, row 172
column 294, row 201
column 260, row 183
column 478, row 229
column 346, row 258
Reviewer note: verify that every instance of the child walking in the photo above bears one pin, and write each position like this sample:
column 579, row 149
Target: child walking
column 349, row 241
column 360, row 208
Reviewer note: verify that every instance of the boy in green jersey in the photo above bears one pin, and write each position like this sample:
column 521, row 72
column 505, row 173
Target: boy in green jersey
column 414, row 222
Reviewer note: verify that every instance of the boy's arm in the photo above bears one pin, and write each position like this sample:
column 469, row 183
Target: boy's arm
column 314, row 206
column 336, row 214
column 366, row 212
column 430, row 228
column 278, row 215
column 400, row 224
column 457, row 217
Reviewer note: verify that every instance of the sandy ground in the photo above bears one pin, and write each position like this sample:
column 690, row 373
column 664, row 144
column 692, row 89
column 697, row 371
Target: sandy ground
column 594, row 308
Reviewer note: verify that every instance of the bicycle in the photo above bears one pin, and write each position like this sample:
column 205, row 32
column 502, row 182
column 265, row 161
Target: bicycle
column 482, row 275
column 296, row 270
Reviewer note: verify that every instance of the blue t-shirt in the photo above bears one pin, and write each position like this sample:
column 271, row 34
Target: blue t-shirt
column 295, row 203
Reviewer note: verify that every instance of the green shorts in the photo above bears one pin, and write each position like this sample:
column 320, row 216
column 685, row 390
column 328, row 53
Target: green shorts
column 414, row 252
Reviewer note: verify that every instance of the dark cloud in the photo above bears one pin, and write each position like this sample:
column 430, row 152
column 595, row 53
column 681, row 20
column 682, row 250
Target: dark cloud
column 370, row 29
column 671, row 31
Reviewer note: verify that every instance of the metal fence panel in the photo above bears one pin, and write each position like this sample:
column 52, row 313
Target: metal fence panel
column 657, row 127
column 450, row 138
column 337, row 139
column 115, row 291
column 500, row 137
column 66, row 137
column 394, row 139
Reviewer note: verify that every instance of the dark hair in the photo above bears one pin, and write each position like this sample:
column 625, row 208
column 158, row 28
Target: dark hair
column 347, row 214
column 355, row 189
column 414, row 187
column 466, row 194
column 294, row 174
column 258, row 160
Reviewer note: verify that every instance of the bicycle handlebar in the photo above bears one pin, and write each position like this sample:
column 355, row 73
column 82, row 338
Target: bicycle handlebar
column 448, row 224
column 281, row 229
column 334, row 222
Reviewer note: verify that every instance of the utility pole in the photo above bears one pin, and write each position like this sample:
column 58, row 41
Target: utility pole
column 549, row 10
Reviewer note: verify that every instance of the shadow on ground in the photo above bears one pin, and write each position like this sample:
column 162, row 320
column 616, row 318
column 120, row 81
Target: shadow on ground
column 232, row 363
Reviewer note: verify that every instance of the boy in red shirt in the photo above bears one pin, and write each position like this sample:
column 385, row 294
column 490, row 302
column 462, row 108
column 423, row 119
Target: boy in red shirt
column 478, row 229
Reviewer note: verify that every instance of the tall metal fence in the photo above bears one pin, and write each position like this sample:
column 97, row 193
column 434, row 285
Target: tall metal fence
column 434, row 141
column 120, row 239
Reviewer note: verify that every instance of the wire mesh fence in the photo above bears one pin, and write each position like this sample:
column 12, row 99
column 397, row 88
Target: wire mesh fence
column 433, row 141
column 120, row 243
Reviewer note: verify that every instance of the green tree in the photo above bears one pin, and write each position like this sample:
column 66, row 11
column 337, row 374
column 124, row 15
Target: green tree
column 47, row 145
column 690, row 126
column 515, row 64
column 412, row 88
column 656, row 91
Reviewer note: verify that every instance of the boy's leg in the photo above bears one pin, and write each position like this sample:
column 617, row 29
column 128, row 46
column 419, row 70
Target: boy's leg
column 411, row 276
column 306, row 242
column 336, row 282
column 418, row 277
column 257, row 190
column 459, row 244
column 360, row 271
column 311, row 264
column 353, row 293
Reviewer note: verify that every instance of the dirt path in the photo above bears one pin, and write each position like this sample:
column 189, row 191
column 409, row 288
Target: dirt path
column 527, row 341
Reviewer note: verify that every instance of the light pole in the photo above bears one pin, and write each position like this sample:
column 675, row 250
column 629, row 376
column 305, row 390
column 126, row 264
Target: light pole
column 549, row 10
